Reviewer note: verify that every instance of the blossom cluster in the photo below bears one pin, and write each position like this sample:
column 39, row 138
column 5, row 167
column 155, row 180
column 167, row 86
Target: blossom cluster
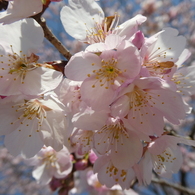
column 114, row 100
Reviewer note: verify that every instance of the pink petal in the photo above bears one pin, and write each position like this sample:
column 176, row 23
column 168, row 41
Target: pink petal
column 128, row 153
column 81, row 65
column 95, row 96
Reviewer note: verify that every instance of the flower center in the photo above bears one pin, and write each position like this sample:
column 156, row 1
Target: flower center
column 108, row 73
column 83, row 138
column 138, row 98
column 30, row 111
column 102, row 29
column 182, row 82
column 50, row 158
column 163, row 160
column 112, row 134
column 18, row 65
column 155, row 67
column 117, row 174
column 141, row 103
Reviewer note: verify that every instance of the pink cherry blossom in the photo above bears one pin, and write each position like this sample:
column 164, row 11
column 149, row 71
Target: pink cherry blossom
column 162, row 155
column 85, row 122
column 110, row 135
column 49, row 163
column 81, row 17
column 120, row 141
column 162, row 50
column 93, row 181
column 19, row 9
column 28, row 124
column 110, row 109
column 146, row 100
column 102, row 189
column 84, row 20
column 184, row 78
column 102, row 75
column 92, row 157
column 83, row 139
column 138, row 39
column 19, row 67
column 97, row 119
column 112, row 42
column 69, row 95
column 109, row 175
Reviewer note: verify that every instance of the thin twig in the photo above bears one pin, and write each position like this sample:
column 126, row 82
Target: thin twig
column 175, row 186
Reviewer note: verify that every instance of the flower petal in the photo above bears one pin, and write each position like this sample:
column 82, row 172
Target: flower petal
column 80, row 17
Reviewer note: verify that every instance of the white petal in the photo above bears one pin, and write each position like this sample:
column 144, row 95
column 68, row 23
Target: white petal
column 25, row 35
column 81, row 16
column 88, row 62
column 169, row 45
column 127, row 151
column 24, row 141
column 129, row 27
column 41, row 174
column 89, row 119
column 40, row 81
column 19, row 9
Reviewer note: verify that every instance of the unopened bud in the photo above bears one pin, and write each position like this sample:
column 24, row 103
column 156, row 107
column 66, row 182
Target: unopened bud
column 81, row 164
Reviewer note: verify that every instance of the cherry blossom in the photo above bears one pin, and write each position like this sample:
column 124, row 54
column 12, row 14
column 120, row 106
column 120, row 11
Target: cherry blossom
column 162, row 155
column 120, row 141
column 184, row 80
column 75, row 25
column 85, row 21
column 138, row 39
column 19, row 65
column 83, row 139
column 110, row 135
column 92, row 180
column 146, row 100
column 112, row 42
column 162, row 50
column 86, row 122
column 109, row 175
column 107, row 112
column 69, row 95
column 28, row 124
column 102, row 75
column 49, row 163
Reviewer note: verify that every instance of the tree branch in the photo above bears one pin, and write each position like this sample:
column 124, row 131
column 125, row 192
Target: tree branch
column 175, row 186
column 53, row 39
column 49, row 35
column 183, row 180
